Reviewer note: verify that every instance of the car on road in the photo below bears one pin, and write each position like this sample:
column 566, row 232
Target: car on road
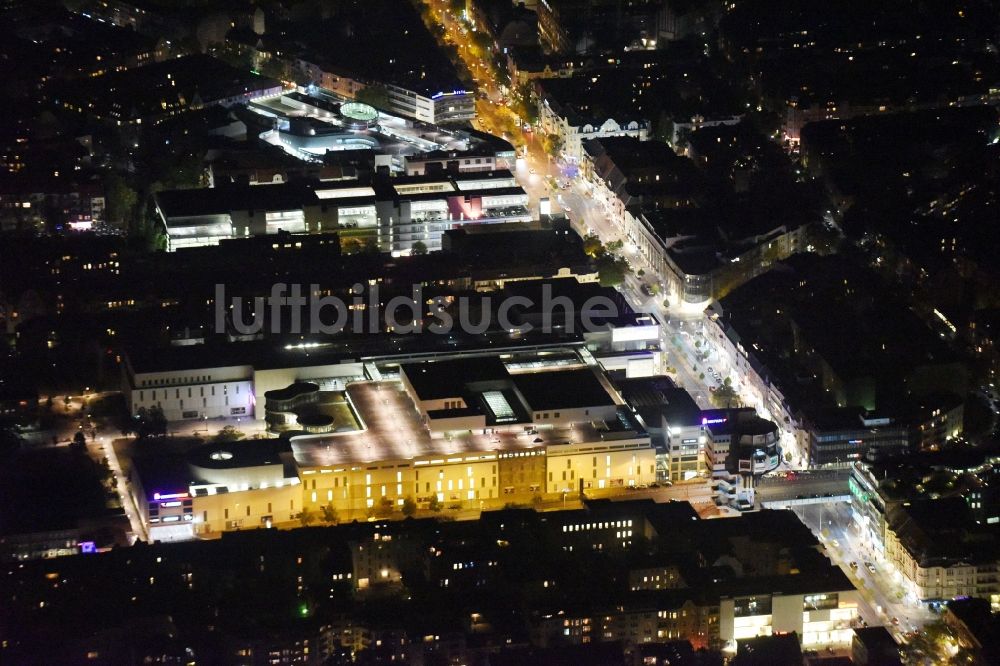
column 870, row 566
column 711, row 370
column 854, row 565
column 532, row 171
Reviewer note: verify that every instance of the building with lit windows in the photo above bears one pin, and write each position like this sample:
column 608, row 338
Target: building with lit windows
column 336, row 53
column 740, row 447
column 775, row 582
column 941, row 552
column 943, row 547
column 822, row 612
column 391, row 213
column 162, row 89
column 464, row 432
column 673, row 419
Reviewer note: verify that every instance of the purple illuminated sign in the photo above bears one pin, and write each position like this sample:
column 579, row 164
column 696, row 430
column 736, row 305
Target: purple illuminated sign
column 160, row 496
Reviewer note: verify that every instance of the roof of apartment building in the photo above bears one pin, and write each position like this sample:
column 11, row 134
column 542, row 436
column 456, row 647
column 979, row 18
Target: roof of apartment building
column 816, row 300
column 942, row 532
column 343, row 42
column 163, row 88
column 593, row 99
column 777, row 650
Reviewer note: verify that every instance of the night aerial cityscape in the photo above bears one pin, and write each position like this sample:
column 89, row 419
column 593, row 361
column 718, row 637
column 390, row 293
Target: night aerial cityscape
column 500, row 332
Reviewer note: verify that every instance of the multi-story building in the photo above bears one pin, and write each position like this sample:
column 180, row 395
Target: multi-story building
column 881, row 493
column 389, row 213
column 821, row 610
column 941, row 552
column 837, row 405
column 184, row 393
column 466, row 431
column 739, row 447
column 577, row 26
column 572, row 127
column 426, row 89
column 649, row 193
column 674, row 422
column 162, row 89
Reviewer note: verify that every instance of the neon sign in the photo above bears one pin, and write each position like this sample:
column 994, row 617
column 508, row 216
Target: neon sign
column 158, row 496
column 443, row 94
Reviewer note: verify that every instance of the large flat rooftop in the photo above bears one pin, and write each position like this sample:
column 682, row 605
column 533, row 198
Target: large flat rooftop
column 393, row 430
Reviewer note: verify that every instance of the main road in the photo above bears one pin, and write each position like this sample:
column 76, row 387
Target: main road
column 882, row 590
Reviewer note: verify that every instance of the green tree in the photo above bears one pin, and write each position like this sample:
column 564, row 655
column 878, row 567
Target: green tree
column 150, row 422
column 419, row 248
column 330, row 514
column 592, row 246
column 120, row 201
column 381, row 509
column 536, row 502
column 527, row 107
column 435, row 504
column 725, row 397
column 935, row 644
column 375, row 95
column 228, row 434
column 307, row 517
column 79, row 441
column 409, row 507
column 553, row 145
column 611, row 271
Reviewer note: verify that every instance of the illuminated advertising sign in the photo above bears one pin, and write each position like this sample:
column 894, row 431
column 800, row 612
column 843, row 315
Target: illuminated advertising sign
column 170, row 496
column 635, row 333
